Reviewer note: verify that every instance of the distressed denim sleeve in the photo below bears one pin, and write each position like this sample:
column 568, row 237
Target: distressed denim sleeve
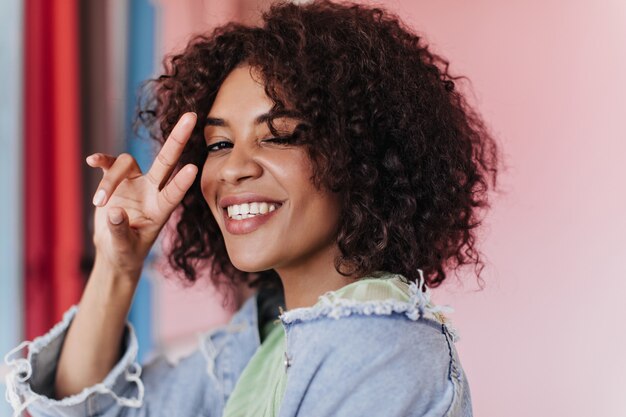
column 30, row 382
column 195, row 385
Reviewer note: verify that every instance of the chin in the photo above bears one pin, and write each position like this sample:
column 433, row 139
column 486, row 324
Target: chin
column 249, row 263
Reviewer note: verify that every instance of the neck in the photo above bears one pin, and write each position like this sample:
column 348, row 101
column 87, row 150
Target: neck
column 303, row 284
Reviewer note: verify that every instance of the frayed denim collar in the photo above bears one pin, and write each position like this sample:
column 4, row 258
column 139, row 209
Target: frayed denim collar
column 418, row 307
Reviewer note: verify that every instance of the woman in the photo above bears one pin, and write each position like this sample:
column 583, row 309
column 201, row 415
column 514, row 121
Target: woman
column 325, row 159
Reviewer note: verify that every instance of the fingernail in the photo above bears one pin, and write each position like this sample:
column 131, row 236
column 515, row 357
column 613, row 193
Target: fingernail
column 98, row 199
column 116, row 217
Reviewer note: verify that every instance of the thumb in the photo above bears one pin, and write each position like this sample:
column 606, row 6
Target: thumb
column 118, row 223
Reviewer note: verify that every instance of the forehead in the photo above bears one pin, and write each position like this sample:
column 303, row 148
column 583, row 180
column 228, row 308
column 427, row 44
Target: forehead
column 242, row 101
column 242, row 93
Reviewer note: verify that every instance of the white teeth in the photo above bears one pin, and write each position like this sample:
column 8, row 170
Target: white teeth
column 247, row 210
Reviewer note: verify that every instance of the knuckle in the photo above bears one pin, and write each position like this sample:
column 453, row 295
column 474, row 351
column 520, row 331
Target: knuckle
column 125, row 158
column 163, row 159
column 176, row 138
column 176, row 182
column 151, row 178
column 167, row 196
column 105, row 183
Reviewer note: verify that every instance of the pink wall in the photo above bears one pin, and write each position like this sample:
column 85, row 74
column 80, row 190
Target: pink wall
column 546, row 335
column 181, row 312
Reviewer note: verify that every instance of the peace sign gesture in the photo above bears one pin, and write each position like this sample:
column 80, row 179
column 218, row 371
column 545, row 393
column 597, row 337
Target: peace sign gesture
column 131, row 208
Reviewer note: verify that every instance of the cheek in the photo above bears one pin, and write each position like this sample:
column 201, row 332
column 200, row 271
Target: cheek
column 207, row 185
column 321, row 206
column 322, row 210
column 330, row 211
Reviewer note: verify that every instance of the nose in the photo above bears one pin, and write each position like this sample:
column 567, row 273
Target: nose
column 238, row 165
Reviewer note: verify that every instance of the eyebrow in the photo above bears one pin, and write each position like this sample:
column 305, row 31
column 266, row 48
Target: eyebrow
column 214, row 121
column 263, row 118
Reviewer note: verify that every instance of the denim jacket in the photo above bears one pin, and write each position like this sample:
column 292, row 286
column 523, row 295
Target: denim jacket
column 343, row 358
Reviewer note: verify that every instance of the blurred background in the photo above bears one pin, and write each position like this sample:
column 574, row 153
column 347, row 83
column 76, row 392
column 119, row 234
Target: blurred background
column 547, row 334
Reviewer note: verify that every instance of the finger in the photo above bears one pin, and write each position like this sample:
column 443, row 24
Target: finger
column 100, row 160
column 119, row 226
column 167, row 158
column 173, row 193
column 124, row 167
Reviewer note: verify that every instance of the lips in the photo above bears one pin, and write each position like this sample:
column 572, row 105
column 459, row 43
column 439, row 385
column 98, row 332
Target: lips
column 245, row 213
column 246, row 210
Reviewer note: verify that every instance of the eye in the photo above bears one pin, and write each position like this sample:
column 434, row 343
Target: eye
column 281, row 140
column 218, row 146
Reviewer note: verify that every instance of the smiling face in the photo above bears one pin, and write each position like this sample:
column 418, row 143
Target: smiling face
column 259, row 187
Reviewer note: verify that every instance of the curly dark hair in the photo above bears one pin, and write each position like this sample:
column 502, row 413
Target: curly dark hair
column 382, row 121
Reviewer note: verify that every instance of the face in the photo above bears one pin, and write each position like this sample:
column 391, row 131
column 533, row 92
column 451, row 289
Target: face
column 259, row 187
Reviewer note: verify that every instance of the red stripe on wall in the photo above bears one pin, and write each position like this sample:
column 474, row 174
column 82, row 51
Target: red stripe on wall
column 38, row 146
column 68, row 218
column 52, row 184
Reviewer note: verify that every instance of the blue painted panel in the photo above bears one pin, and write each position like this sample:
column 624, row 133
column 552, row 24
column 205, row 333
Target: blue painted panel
column 140, row 61
column 11, row 278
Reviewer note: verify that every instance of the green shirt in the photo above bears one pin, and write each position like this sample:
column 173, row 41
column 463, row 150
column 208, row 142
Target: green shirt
column 261, row 386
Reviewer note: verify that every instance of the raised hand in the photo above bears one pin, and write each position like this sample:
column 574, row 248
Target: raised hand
column 132, row 207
